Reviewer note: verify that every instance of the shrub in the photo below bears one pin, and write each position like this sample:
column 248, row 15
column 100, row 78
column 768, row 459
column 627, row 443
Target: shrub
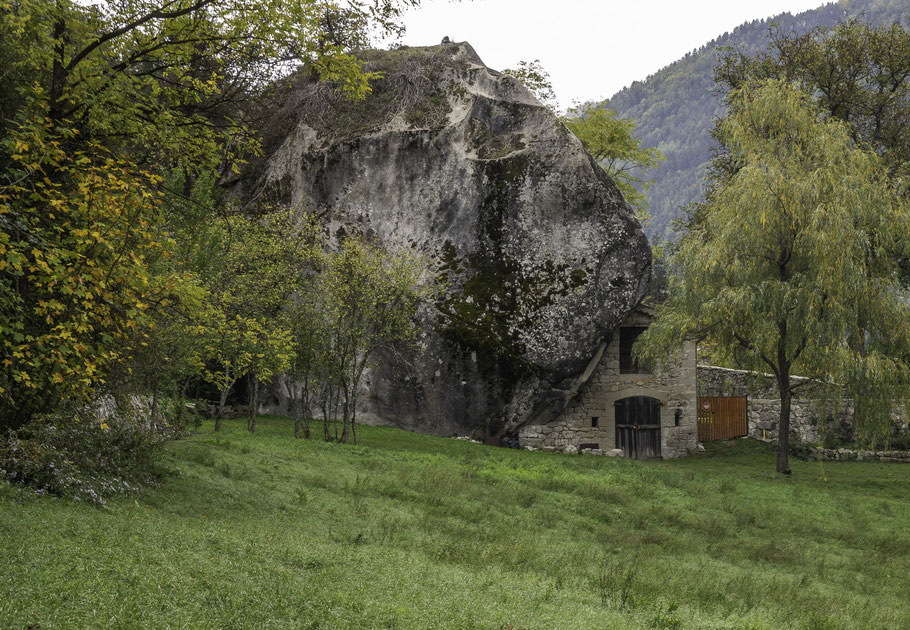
column 182, row 415
column 84, row 457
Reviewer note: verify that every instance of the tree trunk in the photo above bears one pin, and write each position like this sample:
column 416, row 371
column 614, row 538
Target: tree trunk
column 345, row 418
column 296, row 402
column 354, row 422
column 249, row 413
column 222, row 400
column 783, row 386
column 305, row 400
column 325, row 419
column 153, row 410
column 333, row 409
column 254, row 404
column 58, row 72
column 783, row 428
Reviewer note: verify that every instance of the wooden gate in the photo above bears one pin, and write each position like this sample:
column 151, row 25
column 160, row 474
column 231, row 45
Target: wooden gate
column 638, row 426
column 722, row 418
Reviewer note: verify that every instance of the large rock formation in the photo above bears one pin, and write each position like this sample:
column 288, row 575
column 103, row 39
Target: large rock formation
column 539, row 252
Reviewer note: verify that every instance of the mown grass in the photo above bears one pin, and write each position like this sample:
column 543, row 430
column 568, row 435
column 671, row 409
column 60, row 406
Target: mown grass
column 410, row 531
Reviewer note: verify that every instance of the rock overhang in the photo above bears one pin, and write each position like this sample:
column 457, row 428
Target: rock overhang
column 541, row 255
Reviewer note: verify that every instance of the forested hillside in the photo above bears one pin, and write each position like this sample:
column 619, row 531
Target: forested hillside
column 674, row 108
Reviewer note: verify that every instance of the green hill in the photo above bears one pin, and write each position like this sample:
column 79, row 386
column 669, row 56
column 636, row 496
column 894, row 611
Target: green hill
column 674, row 108
column 410, row 531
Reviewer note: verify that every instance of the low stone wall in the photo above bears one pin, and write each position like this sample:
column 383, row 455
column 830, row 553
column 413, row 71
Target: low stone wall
column 846, row 455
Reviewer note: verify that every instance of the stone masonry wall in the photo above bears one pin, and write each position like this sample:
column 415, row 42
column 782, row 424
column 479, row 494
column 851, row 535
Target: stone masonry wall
column 674, row 387
column 814, row 454
column 810, row 414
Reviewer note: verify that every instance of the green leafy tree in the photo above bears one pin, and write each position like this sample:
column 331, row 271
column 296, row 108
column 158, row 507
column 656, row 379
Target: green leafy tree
column 98, row 103
column 535, row 77
column 172, row 78
column 75, row 279
column 236, row 345
column 611, row 142
column 858, row 73
column 370, row 301
column 251, row 276
column 608, row 138
column 309, row 329
column 791, row 265
column 163, row 356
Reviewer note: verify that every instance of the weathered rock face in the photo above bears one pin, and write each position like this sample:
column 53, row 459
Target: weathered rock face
column 539, row 254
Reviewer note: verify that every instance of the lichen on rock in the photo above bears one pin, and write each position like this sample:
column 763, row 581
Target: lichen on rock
column 539, row 254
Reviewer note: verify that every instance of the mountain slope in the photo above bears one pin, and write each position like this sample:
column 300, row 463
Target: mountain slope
column 674, row 108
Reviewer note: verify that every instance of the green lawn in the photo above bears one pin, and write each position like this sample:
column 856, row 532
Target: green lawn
column 409, row 531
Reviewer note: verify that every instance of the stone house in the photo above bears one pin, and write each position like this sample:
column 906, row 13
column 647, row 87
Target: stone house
column 623, row 406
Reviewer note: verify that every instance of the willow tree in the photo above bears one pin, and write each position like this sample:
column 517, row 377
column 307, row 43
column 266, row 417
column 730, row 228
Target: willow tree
column 791, row 263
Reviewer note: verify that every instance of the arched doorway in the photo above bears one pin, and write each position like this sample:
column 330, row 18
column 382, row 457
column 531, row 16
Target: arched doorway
column 638, row 426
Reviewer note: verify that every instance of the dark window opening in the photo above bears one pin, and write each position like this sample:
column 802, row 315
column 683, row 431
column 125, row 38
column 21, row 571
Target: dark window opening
column 595, row 421
column 627, row 337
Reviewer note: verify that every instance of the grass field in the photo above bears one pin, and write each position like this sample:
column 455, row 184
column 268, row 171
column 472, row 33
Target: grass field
column 410, row 531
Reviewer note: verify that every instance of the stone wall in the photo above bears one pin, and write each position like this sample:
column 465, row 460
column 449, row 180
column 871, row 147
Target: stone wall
column 809, row 419
column 814, row 454
column 810, row 414
column 674, row 387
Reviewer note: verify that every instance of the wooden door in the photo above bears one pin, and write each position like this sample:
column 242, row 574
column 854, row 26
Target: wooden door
column 722, row 418
column 638, row 426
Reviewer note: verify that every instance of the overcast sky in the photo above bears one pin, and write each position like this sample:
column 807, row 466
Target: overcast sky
column 591, row 49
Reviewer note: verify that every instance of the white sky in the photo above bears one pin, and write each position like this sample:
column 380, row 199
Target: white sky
column 591, row 49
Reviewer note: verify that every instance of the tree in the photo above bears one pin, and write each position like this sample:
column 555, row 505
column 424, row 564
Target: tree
column 791, row 264
column 237, row 345
column 309, row 335
column 251, row 277
column 535, row 77
column 75, row 278
column 858, row 73
column 610, row 141
column 171, row 79
column 98, row 103
column 163, row 356
column 370, row 301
